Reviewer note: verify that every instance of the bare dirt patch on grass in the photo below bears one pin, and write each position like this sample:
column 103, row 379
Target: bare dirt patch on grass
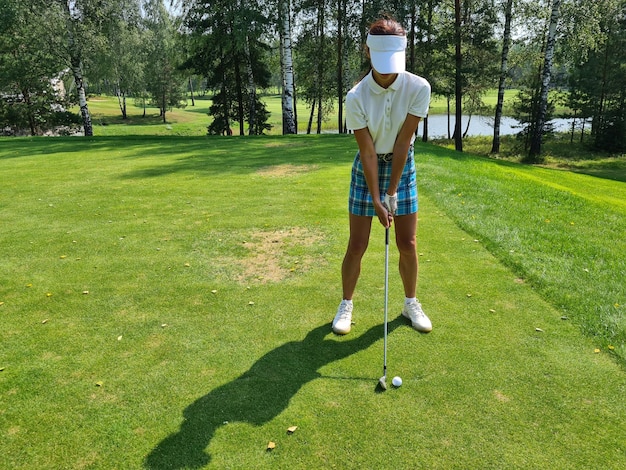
column 275, row 255
column 287, row 169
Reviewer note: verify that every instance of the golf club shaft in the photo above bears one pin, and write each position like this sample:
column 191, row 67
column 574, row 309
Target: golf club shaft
column 386, row 299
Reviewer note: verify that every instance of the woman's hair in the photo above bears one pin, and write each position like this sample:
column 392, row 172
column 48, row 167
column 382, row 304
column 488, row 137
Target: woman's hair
column 386, row 26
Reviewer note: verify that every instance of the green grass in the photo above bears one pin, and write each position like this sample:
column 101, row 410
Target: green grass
column 194, row 119
column 191, row 120
column 560, row 231
column 558, row 152
column 166, row 303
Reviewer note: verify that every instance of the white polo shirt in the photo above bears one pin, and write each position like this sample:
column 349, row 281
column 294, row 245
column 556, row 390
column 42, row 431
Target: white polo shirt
column 383, row 111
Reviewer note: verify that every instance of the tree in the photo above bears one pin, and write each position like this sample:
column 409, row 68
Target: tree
column 164, row 80
column 424, row 51
column 83, row 21
column 458, row 79
column 32, row 95
column 226, row 47
column 597, row 81
column 290, row 126
column 316, row 80
column 504, row 72
column 538, row 127
column 125, row 61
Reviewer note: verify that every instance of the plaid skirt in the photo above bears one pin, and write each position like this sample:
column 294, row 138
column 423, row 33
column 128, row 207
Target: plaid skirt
column 360, row 200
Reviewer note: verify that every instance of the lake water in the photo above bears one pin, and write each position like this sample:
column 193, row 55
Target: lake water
column 481, row 125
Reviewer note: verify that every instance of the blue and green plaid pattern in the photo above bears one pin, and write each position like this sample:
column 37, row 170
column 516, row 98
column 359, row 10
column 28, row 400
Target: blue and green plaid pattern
column 360, row 201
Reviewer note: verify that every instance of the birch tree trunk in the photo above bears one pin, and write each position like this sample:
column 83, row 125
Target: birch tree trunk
column 506, row 42
column 76, row 64
column 289, row 122
column 77, row 70
column 121, row 99
column 458, row 86
column 193, row 101
column 536, row 137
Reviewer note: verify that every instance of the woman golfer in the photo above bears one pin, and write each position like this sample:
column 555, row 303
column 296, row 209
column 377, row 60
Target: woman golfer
column 384, row 110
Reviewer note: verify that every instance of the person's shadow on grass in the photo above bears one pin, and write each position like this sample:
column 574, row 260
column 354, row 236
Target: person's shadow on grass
column 257, row 396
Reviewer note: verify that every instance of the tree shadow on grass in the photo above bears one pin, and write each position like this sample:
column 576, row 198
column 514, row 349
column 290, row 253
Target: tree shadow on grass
column 257, row 396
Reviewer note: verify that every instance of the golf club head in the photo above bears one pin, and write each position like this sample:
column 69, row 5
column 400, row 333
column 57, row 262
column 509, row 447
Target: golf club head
column 383, row 382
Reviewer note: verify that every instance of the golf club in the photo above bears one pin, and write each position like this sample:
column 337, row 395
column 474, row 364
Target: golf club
column 383, row 380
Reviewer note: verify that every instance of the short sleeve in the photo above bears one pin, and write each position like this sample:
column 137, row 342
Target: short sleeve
column 421, row 101
column 355, row 114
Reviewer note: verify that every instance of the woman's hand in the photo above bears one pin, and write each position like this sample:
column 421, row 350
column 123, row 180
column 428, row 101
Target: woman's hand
column 390, row 201
column 384, row 216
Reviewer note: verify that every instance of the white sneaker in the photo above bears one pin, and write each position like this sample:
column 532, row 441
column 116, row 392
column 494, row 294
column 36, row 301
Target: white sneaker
column 413, row 311
column 343, row 320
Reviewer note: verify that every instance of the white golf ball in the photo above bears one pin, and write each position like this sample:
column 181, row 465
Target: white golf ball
column 397, row 381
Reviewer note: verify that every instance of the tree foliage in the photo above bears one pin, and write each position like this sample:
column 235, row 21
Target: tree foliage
column 148, row 49
column 32, row 95
column 598, row 82
column 164, row 80
column 225, row 45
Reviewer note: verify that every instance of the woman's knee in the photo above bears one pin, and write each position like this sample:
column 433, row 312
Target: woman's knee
column 357, row 246
column 406, row 244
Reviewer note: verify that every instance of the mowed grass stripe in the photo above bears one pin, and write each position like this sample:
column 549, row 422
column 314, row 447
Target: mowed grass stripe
column 562, row 232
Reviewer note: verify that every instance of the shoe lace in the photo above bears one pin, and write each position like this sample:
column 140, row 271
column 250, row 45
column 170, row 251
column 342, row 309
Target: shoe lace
column 344, row 311
column 415, row 309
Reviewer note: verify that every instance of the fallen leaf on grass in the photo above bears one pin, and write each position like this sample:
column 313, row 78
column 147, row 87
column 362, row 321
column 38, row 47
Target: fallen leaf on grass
column 539, row 330
column 99, row 384
column 119, row 338
column 611, row 347
column 49, row 294
column 43, row 322
column 596, row 350
column 271, row 445
column 250, row 303
column 291, row 429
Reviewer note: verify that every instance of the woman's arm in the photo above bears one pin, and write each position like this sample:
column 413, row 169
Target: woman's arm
column 369, row 160
column 400, row 151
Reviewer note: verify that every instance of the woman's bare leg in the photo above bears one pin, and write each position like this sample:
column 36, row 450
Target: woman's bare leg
column 406, row 228
column 360, row 228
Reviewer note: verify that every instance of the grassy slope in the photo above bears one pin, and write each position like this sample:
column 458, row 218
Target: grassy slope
column 151, row 226
column 561, row 231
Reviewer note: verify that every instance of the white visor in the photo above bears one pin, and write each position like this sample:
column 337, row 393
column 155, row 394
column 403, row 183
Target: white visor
column 387, row 53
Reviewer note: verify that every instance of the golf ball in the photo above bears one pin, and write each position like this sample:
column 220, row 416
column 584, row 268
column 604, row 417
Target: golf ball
column 397, row 381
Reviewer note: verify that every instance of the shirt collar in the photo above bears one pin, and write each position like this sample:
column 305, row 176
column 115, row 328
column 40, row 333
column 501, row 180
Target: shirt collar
column 376, row 88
